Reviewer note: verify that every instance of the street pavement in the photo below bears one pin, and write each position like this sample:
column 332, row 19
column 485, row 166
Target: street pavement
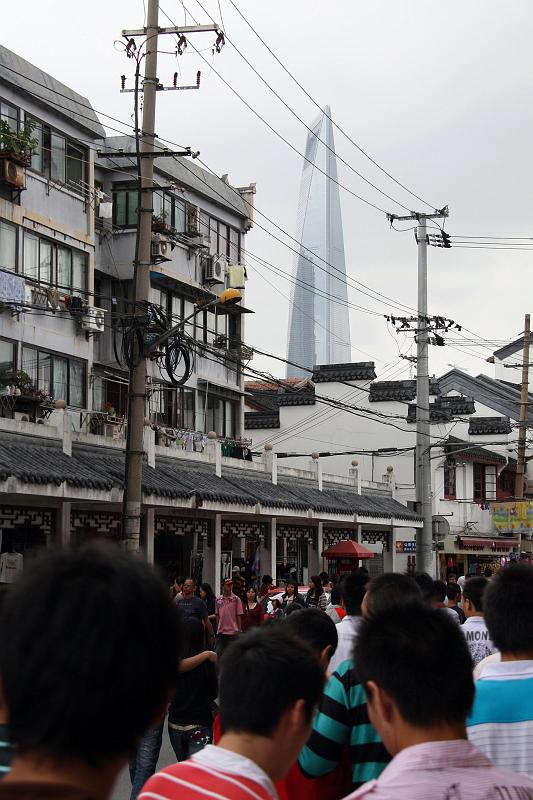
column 166, row 756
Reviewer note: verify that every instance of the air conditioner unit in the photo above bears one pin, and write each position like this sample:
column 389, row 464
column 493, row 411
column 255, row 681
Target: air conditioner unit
column 192, row 220
column 93, row 320
column 12, row 173
column 161, row 248
column 215, row 270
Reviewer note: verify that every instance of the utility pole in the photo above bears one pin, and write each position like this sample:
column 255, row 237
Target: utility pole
column 131, row 510
column 424, row 535
column 132, row 498
column 524, row 407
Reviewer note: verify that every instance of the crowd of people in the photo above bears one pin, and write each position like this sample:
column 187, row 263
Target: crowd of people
column 395, row 687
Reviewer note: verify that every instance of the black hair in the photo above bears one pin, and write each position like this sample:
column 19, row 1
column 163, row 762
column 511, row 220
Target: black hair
column 389, row 589
column 453, row 590
column 420, row 684
column 318, row 590
column 353, row 588
column 250, row 588
column 179, row 579
column 208, row 590
column 90, row 645
column 193, row 636
column 315, row 628
column 267, row 579
column 291, row 582
column 425, row 583
column 336, row 596
column 488, row 573
column 439, row 591
column 324, row 577
column 474, row 590
column 292, row 607
column 508, row 602
column 262, row 674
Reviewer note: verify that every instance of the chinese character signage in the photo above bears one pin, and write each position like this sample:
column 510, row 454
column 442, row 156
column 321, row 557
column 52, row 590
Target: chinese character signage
column 513, row 516
column 406, row 547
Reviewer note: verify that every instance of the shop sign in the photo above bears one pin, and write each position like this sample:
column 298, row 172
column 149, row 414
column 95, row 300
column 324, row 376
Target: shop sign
column 513, row 517
column 406, row 547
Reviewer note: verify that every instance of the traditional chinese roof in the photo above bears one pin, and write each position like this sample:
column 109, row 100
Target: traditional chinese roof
column 331, row 373
column 479, row 426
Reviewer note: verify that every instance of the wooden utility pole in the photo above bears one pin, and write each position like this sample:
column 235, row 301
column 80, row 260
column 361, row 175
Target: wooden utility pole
column 524, row 407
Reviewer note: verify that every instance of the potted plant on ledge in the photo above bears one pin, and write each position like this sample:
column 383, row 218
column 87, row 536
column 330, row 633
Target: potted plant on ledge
column 18, row 145
column 160, row 225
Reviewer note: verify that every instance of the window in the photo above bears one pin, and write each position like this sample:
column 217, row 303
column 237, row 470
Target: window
column 450, row 479
column 218, row 415
column 55, row 265
column 485, row 481
column 188, row 406
column 61, row 377
column 7, row 359
column 164, row 204
column 59, row 158
column 9, row 114
column 8, row 246
column 506, row 483
column 234, row 246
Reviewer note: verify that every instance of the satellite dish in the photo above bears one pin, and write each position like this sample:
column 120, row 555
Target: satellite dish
column 441, row 527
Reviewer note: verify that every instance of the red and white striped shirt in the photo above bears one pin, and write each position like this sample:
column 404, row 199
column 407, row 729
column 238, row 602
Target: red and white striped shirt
column 212, row 774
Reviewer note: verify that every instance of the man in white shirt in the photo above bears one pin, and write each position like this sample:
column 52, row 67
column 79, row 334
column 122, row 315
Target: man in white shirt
column 353, row 588
column 474, row 629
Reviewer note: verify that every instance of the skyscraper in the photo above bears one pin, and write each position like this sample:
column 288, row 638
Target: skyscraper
column 319, row 327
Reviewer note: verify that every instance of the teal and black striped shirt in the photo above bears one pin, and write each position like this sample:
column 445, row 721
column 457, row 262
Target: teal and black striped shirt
column 342, row 720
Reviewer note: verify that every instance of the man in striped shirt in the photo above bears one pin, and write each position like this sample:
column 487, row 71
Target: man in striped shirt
column 342, row 720
column 270, row 683
column 405, row 658
column 501, row 722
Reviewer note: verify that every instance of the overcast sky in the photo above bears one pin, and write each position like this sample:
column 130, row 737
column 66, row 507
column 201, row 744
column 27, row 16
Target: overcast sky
column 438, row 94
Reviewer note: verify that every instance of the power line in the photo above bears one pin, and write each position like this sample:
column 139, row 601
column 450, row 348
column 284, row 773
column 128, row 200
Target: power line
column 304, row 90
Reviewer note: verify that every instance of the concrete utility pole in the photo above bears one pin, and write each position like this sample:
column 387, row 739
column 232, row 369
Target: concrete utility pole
column 524, row 407
column 132, row 500
column 134, row 454
column 424, row 535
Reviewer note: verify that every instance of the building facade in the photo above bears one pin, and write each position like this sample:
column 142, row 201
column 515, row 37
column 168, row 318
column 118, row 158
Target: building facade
column 319, row 325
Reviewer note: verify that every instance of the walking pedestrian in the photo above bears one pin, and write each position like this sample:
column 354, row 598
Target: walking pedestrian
column 453, row 593
column 270, row 682
column 190, row 716
column 85, row 671
column 353, row 588
column 343, row 720
column 316, row 596
column 291, row 595
column 501, row 722
column 239, row 584
column 334, row 610
column 438, row 598
column 254, row 613
column 191, row 605
column 207, row 596
column 229, row 616
column 422, row 721
column 474, row 629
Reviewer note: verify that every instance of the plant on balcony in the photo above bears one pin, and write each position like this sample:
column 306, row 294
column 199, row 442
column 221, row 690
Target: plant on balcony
column 160, row 225
column 109, row 408
column 17, row 145
column 18, row 378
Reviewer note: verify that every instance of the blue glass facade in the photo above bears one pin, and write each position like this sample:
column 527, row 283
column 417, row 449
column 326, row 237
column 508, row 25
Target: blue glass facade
column 319, row 325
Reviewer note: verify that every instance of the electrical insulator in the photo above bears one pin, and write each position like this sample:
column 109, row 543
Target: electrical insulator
column 122, row 81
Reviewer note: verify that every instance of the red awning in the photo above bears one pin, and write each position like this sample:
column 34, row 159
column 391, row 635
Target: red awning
column 347, row 549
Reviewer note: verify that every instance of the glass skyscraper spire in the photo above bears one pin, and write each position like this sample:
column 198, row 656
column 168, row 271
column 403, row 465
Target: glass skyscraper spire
column 319, row 327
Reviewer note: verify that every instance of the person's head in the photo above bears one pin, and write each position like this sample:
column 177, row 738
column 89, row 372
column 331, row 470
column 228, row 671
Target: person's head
column 188, row 587
column 72, row 663
column 327, row 586
column 324, row 577
column 452, row 577
column 251, row 595
column 425, row 583
column 315, row 585
column 508, row 609
column 267, row 581
column 270, row 684
column 336, row 596
column 293, row 607
column 453, row 593
column 353, row 588
column 473, row 591
column 236, row 572
column 390, row 589
column 178, row 583
column 291, row 588
column 317, row 629
column 206, row 592
column 488, row 573
column 193, row 636
column 276, row 603
column 438, row 595
column 414, row 695
column 227, row 587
